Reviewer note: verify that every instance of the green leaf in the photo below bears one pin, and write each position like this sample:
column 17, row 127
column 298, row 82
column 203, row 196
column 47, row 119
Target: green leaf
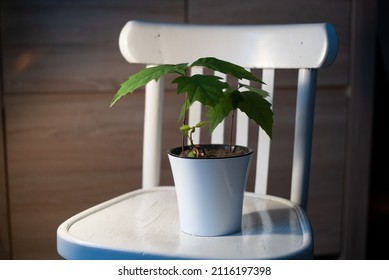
column 201, row 124
column 191, row 154
column 260, row 91
column 184, row 129
column 258, row 109
column 226, row 68
column 218, row 113
column 227, row 103
column 203, row 88
column 146, row 75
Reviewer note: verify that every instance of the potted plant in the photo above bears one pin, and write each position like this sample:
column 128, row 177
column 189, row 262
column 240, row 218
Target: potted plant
column 209, row 181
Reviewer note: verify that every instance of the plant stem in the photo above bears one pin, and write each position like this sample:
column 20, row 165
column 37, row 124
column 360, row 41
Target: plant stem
column 184, row 121
column 232, row 128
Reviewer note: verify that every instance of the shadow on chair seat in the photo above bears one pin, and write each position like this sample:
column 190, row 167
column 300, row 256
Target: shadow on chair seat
column 271, row 228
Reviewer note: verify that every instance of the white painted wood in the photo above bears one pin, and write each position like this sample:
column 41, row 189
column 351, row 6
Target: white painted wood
column 194, row 115
column 242, row 124
column 303, row 136
column 258, row 46
column 152, row 133
column 145, row 224
column 217, row 136
column 263, row 150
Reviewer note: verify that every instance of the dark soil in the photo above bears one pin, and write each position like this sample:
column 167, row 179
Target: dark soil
column 209, row 151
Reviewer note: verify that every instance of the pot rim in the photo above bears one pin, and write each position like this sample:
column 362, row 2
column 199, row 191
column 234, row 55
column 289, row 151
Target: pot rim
column 175, row 151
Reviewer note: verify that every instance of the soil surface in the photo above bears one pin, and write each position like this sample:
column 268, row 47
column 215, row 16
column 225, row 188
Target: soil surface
column 208, row 151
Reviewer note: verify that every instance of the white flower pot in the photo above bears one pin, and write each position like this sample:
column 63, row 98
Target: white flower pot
column 210, row 192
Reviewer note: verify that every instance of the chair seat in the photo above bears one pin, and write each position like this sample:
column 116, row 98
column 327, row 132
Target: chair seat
column 121, row 228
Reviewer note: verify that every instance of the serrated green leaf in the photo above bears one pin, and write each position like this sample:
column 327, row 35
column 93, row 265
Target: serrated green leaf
column 226, row 68
column 258, row 109
column 203, row 88
column 211, row 91
column 260, row 91
column 218, row 113
column 227, row 103
column 236, row 97
column 146, row 75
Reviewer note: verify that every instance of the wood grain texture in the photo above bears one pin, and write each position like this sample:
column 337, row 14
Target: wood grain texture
column 70, row 46
column 68, row 151
column 5, row 242
column 52, row 53
column 156, row 234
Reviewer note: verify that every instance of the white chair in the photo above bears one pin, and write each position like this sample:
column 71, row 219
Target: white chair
column 144, row 224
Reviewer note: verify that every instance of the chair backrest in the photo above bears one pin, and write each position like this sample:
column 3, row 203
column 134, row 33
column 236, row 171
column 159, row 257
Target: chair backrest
column 305, row 47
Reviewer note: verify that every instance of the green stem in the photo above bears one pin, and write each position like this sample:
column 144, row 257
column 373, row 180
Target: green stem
column 232, row 128
column 184, row 121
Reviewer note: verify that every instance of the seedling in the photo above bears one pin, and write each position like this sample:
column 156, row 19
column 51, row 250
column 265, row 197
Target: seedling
column 220, row 97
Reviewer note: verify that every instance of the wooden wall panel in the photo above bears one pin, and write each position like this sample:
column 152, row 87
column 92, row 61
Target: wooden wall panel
column 68, row 150
column 72, row 45
column 5, row 242
column 66, row 153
